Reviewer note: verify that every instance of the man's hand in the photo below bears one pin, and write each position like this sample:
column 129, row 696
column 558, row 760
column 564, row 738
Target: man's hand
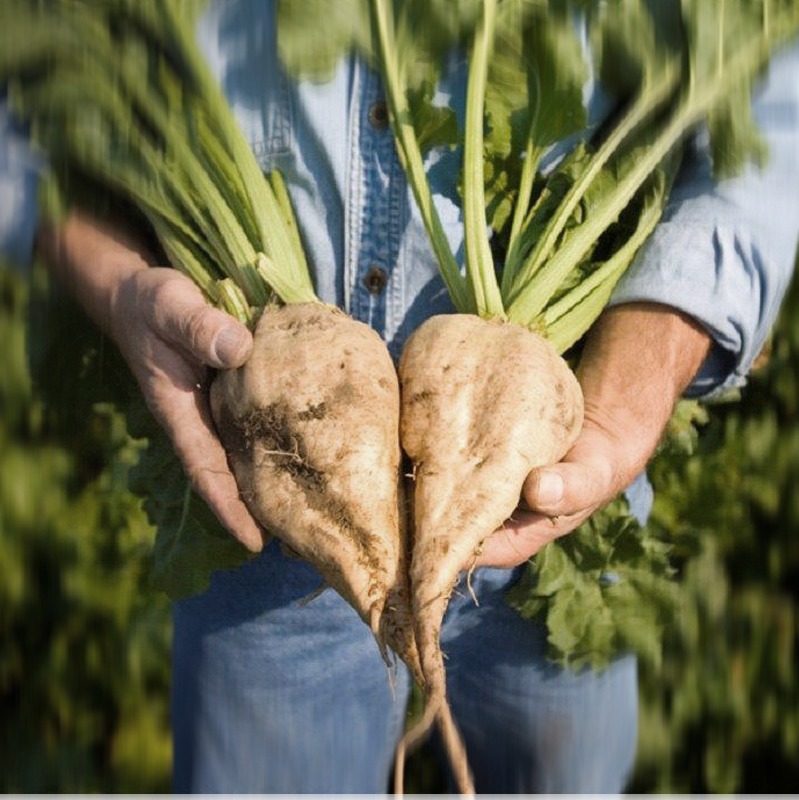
column 170, row 338
column 638, row 360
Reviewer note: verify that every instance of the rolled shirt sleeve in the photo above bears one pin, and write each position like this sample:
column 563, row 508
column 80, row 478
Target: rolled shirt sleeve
column 19, row 178
column 724, row 252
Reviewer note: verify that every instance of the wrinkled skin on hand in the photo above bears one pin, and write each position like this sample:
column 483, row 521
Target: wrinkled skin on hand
column 638, row 360
column 171, row 339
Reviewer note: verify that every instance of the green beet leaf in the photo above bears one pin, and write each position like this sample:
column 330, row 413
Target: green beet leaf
column 603, row 590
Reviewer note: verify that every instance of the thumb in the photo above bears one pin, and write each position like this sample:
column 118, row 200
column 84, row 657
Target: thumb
column 543, row 490
column 185, row 319
column 568, row 488
column 230, row 342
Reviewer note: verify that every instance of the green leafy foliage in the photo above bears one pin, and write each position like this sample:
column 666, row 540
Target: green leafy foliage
column 722, row 713
column 534, row 98
column 634, row 42
column 85, row 658
column 718, row 29
column 427, row 32
column 190, row 544
column 84, row 665
column 605, row 589
column 666, row 68
column 119, row 97
column 315, row 50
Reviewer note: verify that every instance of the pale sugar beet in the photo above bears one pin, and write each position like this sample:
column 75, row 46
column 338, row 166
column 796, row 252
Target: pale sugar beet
column 483, row 404
column 310, row 425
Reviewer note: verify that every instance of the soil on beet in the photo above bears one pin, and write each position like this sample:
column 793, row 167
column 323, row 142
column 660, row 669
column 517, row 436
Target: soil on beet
column 275, row 432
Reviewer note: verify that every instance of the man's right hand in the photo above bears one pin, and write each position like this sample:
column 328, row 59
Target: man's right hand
column 171, row 338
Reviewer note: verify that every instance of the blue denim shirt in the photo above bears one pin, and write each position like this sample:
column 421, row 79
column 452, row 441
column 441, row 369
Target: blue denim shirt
column 723, row 253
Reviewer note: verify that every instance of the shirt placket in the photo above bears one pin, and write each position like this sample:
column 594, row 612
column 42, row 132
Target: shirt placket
column 374, row 206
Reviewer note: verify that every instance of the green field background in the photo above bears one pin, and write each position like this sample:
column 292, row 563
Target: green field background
column 85, row 640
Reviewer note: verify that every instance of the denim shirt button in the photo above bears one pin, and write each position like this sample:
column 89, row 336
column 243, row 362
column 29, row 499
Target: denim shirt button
column 378, row 115
column 375, row 280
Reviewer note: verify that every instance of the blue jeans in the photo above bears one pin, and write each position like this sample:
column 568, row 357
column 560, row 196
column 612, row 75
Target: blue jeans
column 278, row 691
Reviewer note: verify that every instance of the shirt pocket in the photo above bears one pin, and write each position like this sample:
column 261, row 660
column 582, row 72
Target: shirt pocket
column 271, row 135
column 239, row 39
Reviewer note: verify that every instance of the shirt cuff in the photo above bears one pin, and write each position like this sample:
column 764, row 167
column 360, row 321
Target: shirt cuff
column 719, row 277
column 724, row 251
column 20, row 170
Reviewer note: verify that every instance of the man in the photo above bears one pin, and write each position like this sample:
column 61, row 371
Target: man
column 275, row 695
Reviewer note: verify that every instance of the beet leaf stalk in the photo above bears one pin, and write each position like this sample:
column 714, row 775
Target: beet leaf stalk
column 611, row 187
column 119, row 91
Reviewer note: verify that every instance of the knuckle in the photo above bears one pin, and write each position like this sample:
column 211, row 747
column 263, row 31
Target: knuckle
column 158, row 298
column 167, row 289
column 181, row 313
column 196, row 328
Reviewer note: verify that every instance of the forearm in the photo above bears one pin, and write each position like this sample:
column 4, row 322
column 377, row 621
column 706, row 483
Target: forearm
column 92, row 261
column 638, row 360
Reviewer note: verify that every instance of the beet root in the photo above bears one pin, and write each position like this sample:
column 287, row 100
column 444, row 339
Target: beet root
column 483, row 404
column 310, row 424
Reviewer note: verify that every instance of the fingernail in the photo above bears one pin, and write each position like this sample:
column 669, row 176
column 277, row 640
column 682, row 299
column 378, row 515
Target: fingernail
column 550, row 489
column 230, row 346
